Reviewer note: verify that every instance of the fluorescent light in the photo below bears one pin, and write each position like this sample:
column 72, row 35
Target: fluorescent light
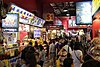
column 65, row 10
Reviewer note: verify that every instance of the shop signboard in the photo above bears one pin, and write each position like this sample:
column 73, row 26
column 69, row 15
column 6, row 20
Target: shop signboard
column 37, row 22
column 24, row 16
column 37, row 32
column 49, row 16
column 11, row 21
column 84, row 13
column 10, row 30
column 35, row 19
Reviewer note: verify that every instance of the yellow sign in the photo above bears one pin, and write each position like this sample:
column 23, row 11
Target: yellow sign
column 49, row 17
column 95, row 5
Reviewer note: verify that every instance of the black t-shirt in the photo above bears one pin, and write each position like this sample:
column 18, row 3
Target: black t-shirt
column 68, row 62
column 87, row 57
column 91, row 63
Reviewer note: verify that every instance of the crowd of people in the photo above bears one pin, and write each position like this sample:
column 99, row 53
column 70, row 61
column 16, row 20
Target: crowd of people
column 59, row 52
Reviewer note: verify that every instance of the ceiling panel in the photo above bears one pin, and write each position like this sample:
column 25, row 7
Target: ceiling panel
column 59, row 8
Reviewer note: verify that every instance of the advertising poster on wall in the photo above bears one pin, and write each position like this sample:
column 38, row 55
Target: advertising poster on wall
column 10, row 37
column 57, row 21
column 72, row 22
column 24, row 28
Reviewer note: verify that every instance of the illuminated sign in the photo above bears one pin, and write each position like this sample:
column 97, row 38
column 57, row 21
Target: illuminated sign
column 11, row 21
column 49, row 16
column 24, row 15
column 9, row 30
column 37, row 22
column 37, row 32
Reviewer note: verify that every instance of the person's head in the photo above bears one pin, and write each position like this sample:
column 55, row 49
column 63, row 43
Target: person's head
column 76, row 47
column 52, row 41
column 30, row 43
column 45, row 42
column 65, row 42
column 28, row 56
column 41, row 48
column 36, row 43
column 77, row 39
column 68, row 55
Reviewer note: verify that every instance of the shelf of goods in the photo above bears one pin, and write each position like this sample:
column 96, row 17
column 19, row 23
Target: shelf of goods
column 10, row 57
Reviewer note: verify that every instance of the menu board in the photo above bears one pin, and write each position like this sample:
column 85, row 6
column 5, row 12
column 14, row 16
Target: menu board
column 84, row 13
column 37, row 32
column 11, row 21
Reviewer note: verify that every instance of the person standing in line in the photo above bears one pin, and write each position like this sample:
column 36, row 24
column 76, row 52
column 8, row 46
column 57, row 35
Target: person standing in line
column 29, row 57
column 68, row 61
column 77, row 55
column 65, row 49
column 42, row 56
column 52, row 52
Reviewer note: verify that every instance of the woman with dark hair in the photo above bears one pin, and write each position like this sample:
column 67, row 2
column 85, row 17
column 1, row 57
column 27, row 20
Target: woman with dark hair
column 52, row 52
column 78, row 43
column 42, row 56
column 36, row 46
column 68, row 61
column 28, row 57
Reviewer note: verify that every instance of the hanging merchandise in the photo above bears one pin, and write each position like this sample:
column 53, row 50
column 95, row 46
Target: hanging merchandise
column 16, row 52
column 12, row 53
column 2, row 50
column 3, row 10
column 5, row 63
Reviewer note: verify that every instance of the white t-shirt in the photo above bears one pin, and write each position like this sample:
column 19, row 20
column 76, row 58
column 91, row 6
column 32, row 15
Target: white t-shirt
column 66, row 48
column 78, row 54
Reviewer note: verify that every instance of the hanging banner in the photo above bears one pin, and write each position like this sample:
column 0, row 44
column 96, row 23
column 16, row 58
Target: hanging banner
column 37, row 22
column 24, row 16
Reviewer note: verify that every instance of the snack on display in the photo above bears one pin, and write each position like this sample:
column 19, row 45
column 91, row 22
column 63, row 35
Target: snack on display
column 94, row 50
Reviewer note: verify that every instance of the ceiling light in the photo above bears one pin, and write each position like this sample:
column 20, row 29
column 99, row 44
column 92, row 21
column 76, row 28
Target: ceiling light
column 52, row 4
column 67, row 15
column 65, row 9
